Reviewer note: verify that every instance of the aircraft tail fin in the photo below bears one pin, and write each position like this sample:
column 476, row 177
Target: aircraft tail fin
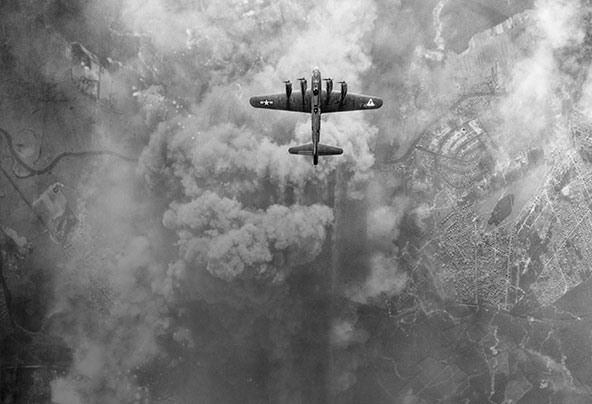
column 322, row 149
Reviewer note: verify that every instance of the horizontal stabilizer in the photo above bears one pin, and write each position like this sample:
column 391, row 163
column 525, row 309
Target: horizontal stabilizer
column 325, row 150
column 303, row 150
column 308, row 150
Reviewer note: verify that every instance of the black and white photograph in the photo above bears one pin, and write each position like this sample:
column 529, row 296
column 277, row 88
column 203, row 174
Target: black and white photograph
column 295, row 201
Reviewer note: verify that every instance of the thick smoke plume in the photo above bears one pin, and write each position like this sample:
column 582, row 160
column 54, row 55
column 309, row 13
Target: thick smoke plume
column 544, row 78
column 385, row 280
column 111, row 304
column 222, row 148
column 201, row 255
column 229, row 240
column 228, row 216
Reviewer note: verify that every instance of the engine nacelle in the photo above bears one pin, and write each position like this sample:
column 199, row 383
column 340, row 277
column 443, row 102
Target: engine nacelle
column 288, row 89
column 343, row 91
column 329, row 87
column 303, row 86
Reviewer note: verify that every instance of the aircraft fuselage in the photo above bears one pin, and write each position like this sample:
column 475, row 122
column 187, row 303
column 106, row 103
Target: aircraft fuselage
column 316, row 111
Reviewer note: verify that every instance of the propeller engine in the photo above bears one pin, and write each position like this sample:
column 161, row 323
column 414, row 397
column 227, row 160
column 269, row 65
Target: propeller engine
column 288, row 89
column 343, row 91
column 329, row 87
column 302, row 86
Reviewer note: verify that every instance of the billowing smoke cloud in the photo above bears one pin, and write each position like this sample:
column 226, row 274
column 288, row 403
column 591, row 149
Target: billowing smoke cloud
column 333, row 40
column 229, row 240
column 240, row 215
column 560, row 22
column 404, row 34
column 111, row 315
column 383, row 223
column 544, row 78
column 229, row 159
column 384, row 213
column 385, row 280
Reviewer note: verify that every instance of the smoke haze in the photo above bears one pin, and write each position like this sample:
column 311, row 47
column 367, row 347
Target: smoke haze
column 206, row 271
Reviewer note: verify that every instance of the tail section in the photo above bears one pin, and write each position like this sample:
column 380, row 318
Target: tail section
column 321, row 150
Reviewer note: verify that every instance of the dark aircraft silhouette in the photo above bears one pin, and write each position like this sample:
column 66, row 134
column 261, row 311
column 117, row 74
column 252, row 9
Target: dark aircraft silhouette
column 315, row 102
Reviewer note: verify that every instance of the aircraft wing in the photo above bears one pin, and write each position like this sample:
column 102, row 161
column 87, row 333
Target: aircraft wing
column 351, row 102
column 281, row 102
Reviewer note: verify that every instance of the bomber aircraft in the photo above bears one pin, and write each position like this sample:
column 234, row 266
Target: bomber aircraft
column 315, row 102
